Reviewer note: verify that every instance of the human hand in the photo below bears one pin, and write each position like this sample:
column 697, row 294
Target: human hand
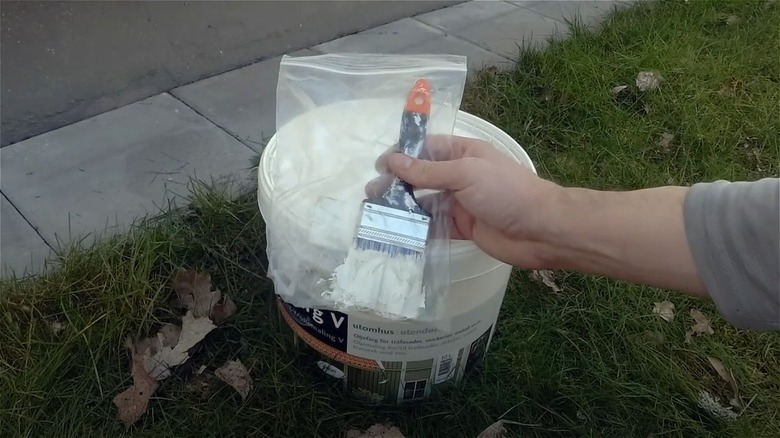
column 498, row 204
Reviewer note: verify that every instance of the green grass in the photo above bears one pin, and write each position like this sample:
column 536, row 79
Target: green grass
column 575, row 363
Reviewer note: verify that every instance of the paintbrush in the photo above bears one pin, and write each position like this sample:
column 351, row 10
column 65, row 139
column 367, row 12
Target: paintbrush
column 384, row 268
column 394, row 223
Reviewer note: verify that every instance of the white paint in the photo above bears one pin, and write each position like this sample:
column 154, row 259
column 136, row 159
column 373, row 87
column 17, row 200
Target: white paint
column 391, row 287
column 409, row 201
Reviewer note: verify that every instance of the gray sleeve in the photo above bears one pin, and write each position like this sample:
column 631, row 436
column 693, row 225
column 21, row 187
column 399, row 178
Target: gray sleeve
column 733, row 230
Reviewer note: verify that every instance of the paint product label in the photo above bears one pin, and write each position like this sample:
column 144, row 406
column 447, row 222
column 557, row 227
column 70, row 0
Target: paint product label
column 391, row 360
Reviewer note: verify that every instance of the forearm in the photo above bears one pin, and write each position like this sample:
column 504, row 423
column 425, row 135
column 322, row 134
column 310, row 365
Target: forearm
column 636, row 236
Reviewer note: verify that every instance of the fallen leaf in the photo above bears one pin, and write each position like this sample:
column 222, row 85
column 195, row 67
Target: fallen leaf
column 495, row 430
column 628, row 99
column 235, row 374
column 133, row 402
column 203, row 386
column 619, row 89
column 701, row 326
column 547, row 277
column 713, row 406
column 194, row 291
column 21, row 307
column 376, row 431
column 170, row 335
column 56, row 327
column 545, row 95
column 727, row 377
column 193, row 330
column 368, row 395
column 648, row 80
column 731, row 88
column 492, row 70
column 654, row 338
column 665, row 143
column 223, row 310
column 727, row 90
column 665, row 310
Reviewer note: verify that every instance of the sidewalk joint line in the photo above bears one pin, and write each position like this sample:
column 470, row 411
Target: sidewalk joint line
column 27, row 221
column 450, row 34
column 235, row 137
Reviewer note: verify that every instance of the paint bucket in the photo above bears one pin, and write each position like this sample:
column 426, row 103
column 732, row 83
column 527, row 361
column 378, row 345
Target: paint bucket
column 403, row 361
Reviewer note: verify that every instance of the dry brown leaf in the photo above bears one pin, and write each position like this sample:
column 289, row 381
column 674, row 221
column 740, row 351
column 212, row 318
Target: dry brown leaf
column 159, row 363
column 711, row 404
column 732, row 88
column 665, row 142
column 665, row 310
column 654, row 338
column 547, row 277
column 56, row 327
column 701, row 326
column 648, row 80
column 133, row 402
column 203, row 385
column 194, row 291
column 727, row 377
column 495, row 430
column 728, row 90
column 235, row 374
column 619, row 89
column 376, row 431
column 170, row 335
column 223, row 309
column 368, row 396
column 732, row 20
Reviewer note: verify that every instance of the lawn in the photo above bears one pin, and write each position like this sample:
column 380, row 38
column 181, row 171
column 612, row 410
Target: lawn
column 591, row 360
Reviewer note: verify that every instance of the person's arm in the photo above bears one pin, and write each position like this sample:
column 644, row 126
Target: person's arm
column 636, row 236
column 720, row 240
column 733, row 229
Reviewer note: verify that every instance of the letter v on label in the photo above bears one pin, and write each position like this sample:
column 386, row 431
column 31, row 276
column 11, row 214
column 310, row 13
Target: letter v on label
column 337, row 321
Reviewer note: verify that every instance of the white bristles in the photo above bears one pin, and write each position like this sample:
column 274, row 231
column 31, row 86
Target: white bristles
column 387, row 285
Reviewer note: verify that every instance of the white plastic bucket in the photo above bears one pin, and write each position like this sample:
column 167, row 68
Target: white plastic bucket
column 403, row 361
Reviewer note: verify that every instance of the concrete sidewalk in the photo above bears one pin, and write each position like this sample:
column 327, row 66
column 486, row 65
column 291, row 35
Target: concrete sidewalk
column 99, row 175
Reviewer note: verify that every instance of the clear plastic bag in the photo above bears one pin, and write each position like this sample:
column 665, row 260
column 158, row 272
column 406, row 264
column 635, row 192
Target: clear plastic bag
column 335, row 115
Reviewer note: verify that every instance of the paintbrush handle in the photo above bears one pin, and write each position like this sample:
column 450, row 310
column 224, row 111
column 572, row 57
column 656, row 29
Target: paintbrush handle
column 411, row 140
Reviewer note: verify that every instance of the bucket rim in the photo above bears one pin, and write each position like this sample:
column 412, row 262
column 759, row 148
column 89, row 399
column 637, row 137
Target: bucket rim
column 509, row 144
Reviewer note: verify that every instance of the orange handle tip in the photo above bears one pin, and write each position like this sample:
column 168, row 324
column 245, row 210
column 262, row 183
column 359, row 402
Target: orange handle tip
column 419, row 98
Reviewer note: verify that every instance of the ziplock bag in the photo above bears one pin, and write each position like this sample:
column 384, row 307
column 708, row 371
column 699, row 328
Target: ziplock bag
column 335, row 115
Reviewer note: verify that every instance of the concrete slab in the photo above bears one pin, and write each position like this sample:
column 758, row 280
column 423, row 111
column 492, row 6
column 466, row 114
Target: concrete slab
column 98, row 175
column 465, row 14
column 410, row 36
column 590, row 12
column 496, row 26
column 69, row 60
column 22, row 251
column 242, row 101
